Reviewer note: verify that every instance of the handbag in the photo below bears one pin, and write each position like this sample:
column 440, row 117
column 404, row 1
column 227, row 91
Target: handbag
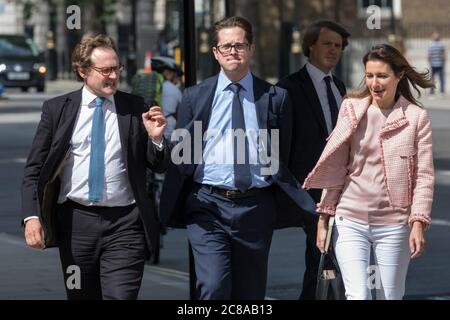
column 330, row 285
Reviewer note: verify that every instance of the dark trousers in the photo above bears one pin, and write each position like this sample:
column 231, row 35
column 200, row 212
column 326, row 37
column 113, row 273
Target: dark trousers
column 106, row 246
column 312, row 260
column 230, row 240
column 441, row 73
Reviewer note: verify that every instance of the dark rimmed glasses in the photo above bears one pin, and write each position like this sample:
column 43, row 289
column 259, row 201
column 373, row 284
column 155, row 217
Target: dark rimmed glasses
column 106, row 72
column 225, row 49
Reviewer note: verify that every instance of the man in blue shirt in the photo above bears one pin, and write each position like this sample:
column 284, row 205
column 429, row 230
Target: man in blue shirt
column 226, row 193
column 437, row 57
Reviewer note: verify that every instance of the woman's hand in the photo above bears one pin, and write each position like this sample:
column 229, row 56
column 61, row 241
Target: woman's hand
column 322, row 228
column 417, row 240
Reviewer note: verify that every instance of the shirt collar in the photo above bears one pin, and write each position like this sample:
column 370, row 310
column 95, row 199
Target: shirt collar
column 88, row 97
column 316, row 74
column 246, row 82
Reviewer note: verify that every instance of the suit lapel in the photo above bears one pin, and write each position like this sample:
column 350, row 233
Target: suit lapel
column 205, row 101
column 307, row 86
column 67, row 120
column 201, row 107
column 124, row 122
column 340, row 85
column 397, row 118
column 261, row 101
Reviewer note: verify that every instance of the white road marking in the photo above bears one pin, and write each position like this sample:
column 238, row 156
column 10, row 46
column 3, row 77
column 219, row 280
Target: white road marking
column 440, row 222
column 13, row 160
column 25, row 117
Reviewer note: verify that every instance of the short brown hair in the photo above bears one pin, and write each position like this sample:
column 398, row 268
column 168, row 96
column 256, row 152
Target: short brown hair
column 232, row 22
column 81, row 56
column 313, row 30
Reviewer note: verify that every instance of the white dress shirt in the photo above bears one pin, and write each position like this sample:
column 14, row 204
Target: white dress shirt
column 74, row 173
column 317, row 77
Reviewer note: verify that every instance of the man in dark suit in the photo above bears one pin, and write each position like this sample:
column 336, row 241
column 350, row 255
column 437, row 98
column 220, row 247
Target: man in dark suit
column 228, row 205
column 94, row 145
column 316, row 97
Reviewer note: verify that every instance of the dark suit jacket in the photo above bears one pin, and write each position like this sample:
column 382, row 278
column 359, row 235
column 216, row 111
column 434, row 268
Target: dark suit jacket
column 309, row 128
column 273, row 110
column 52, row 141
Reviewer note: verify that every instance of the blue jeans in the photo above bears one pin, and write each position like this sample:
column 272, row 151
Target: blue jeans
column 441, row 72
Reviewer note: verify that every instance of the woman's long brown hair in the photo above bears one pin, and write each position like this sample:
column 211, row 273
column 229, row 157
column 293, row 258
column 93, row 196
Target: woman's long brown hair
column 402, row 69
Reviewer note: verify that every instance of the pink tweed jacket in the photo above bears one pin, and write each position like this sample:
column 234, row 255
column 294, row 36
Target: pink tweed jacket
column 406, row 155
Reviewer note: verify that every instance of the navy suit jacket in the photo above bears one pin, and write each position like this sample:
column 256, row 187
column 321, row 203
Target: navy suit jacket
column 52, row 142
column 309, row 127
column 273, row 109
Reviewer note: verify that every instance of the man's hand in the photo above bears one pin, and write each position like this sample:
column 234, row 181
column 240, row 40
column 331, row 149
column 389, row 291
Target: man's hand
column 417, row 240
column 155, row 123
column 34, row 234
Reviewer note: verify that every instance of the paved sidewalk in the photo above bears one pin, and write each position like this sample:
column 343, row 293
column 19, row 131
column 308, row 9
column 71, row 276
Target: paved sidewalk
column 64, row 86
column 436, row 102
column 31, row 274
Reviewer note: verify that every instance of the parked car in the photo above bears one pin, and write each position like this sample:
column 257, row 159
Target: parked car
column 21, row 64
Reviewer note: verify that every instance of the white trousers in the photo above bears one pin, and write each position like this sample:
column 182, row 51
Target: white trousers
column 352, row 245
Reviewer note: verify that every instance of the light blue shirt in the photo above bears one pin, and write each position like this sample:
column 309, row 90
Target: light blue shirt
column 218, row 157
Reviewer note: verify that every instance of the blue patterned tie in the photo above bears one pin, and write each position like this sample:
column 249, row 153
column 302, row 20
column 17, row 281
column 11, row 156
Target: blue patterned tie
column 242, row 175
column 97, row 162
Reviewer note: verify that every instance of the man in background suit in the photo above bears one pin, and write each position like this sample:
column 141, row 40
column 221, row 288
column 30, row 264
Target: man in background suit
column 316, row 97
column 98, row 142
column 228, row 206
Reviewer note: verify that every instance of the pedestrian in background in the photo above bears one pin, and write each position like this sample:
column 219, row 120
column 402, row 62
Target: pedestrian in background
column 171, row 93
column 436, row 58
column 316, row 96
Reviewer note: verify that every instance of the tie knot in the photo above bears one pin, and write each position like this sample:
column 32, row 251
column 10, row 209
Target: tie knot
column 99, row 101
column 235, row 87
column 327, row 79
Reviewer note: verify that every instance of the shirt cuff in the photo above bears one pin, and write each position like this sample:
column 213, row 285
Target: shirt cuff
column 159, row 146
column 29, row 218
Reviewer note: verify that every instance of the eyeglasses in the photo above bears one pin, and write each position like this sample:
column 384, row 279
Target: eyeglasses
column 225, row 49
column 108, row 70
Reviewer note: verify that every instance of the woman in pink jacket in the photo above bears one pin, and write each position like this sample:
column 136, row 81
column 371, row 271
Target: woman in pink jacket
column 378, row 178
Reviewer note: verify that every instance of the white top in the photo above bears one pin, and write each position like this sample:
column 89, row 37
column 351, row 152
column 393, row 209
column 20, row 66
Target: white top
column 170, row 100
column 364, row 197
column 317, row 77
column 74, row 173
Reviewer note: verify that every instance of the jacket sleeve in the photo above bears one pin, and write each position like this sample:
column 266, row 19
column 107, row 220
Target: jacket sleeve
column 424, row 178
column 36, row 159
column 333, row 173
column 338, row 168
column 185, row 114
column 329, row 200
column 285, row 126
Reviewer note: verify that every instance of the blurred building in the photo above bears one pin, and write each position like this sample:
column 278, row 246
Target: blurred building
column 156, row 25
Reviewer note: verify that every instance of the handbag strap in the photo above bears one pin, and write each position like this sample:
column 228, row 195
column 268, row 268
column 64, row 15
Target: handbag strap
column 329, row 233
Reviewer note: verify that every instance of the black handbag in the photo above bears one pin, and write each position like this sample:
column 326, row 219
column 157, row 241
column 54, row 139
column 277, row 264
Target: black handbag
column 329, row 279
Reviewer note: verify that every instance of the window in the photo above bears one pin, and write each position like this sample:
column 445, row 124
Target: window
column 17, row 46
